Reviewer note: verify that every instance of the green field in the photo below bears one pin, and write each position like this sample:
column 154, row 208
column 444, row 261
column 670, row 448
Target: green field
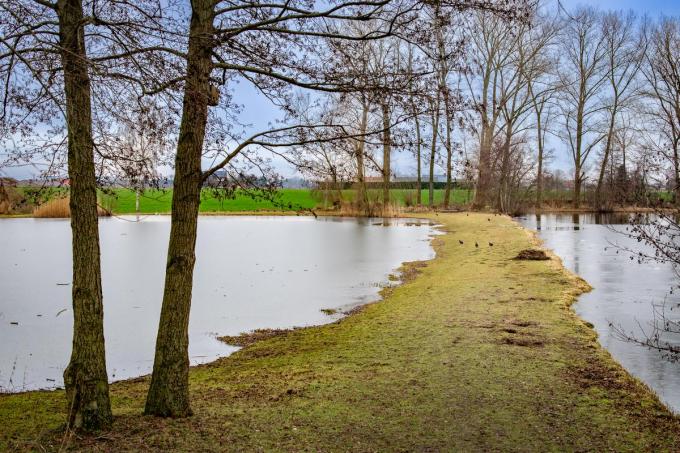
column 122, row 201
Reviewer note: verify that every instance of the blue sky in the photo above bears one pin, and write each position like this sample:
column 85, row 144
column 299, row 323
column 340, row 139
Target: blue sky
column 651, row 7
column 259, row 112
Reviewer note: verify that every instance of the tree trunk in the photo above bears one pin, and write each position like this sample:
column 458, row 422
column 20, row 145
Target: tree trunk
column 444, row 92
column 137, row 202
column 605, row 157
column 503, row 185
column 169, row 391
column 577, row 185
column 85, row 378
column 578, row 156
column 387, row 150
column 362, row 197
column 676, row 168
column 449, row 154
column 539, row 172
column 433, row 152
column 483, row 169
column 419, row 177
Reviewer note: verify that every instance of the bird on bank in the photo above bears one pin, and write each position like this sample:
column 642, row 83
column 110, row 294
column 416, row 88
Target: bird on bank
column 490, row 244
column 461, row 242
column 476, row 245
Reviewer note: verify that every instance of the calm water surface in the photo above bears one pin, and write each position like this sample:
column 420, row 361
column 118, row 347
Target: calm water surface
column 624, row 291
column 251, row 272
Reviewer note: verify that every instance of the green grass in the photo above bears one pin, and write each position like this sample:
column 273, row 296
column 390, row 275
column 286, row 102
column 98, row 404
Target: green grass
column 122, row 201
column 159, row 201
column 478, row 352
column 400, row 196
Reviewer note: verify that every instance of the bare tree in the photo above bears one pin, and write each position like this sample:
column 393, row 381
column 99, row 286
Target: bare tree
column 582, row 75
column 662, row 73
column 542, row 88
column 493, row 42
column 137, row 149
column 623, row 59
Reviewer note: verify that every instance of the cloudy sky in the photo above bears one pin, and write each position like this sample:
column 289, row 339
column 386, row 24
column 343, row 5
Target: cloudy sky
column 259, row 112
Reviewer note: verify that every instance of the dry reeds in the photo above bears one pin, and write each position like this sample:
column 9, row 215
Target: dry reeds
column 371, row 209
column 59, row 208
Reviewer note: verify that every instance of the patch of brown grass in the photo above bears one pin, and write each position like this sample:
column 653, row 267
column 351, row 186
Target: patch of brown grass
column 248, row 338
column 58, row 208
column 372, row 209
column 521, row 340
column 532, row 255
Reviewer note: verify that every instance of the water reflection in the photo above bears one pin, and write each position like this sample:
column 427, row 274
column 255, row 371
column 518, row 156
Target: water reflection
column 624, row 290
column 573, row 221
column 251, row 272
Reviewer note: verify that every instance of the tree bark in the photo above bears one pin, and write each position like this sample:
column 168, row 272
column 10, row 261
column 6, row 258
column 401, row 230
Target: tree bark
column 169, row 391
column 387, row 151
column 484, row 168
column 607, row 151
column 444, row 90
column 433, row 152
column 578, row 160
column 137, row 190
column 676, row 171
column 503, row 185
column 539, row 172
column 419, row 176
column 449, row 155
column 85, row 378
column 362, row 197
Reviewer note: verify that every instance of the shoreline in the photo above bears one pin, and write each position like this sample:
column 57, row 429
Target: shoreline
column 395, row 277
column 401, row 212
column 477, row 352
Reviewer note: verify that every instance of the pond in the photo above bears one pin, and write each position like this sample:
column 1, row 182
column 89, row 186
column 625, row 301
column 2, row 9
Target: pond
column 624, row 291
column 251, row 272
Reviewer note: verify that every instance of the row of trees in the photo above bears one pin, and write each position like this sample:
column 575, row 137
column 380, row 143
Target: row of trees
column 103, row 87
column 481, row 98
column 476, row 88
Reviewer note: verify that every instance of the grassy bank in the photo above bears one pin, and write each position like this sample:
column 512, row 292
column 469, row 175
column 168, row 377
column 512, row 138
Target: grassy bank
column 478, row 352
column 122, row 201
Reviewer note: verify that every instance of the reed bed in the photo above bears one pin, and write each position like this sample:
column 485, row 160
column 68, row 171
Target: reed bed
column 58, row 208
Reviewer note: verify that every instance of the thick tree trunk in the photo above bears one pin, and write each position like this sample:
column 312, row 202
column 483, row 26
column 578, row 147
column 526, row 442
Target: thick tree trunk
column 85, row 378
column 169, row 391
column 387, row 151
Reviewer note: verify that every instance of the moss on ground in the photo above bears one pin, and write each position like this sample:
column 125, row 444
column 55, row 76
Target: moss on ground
column 478, row 352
